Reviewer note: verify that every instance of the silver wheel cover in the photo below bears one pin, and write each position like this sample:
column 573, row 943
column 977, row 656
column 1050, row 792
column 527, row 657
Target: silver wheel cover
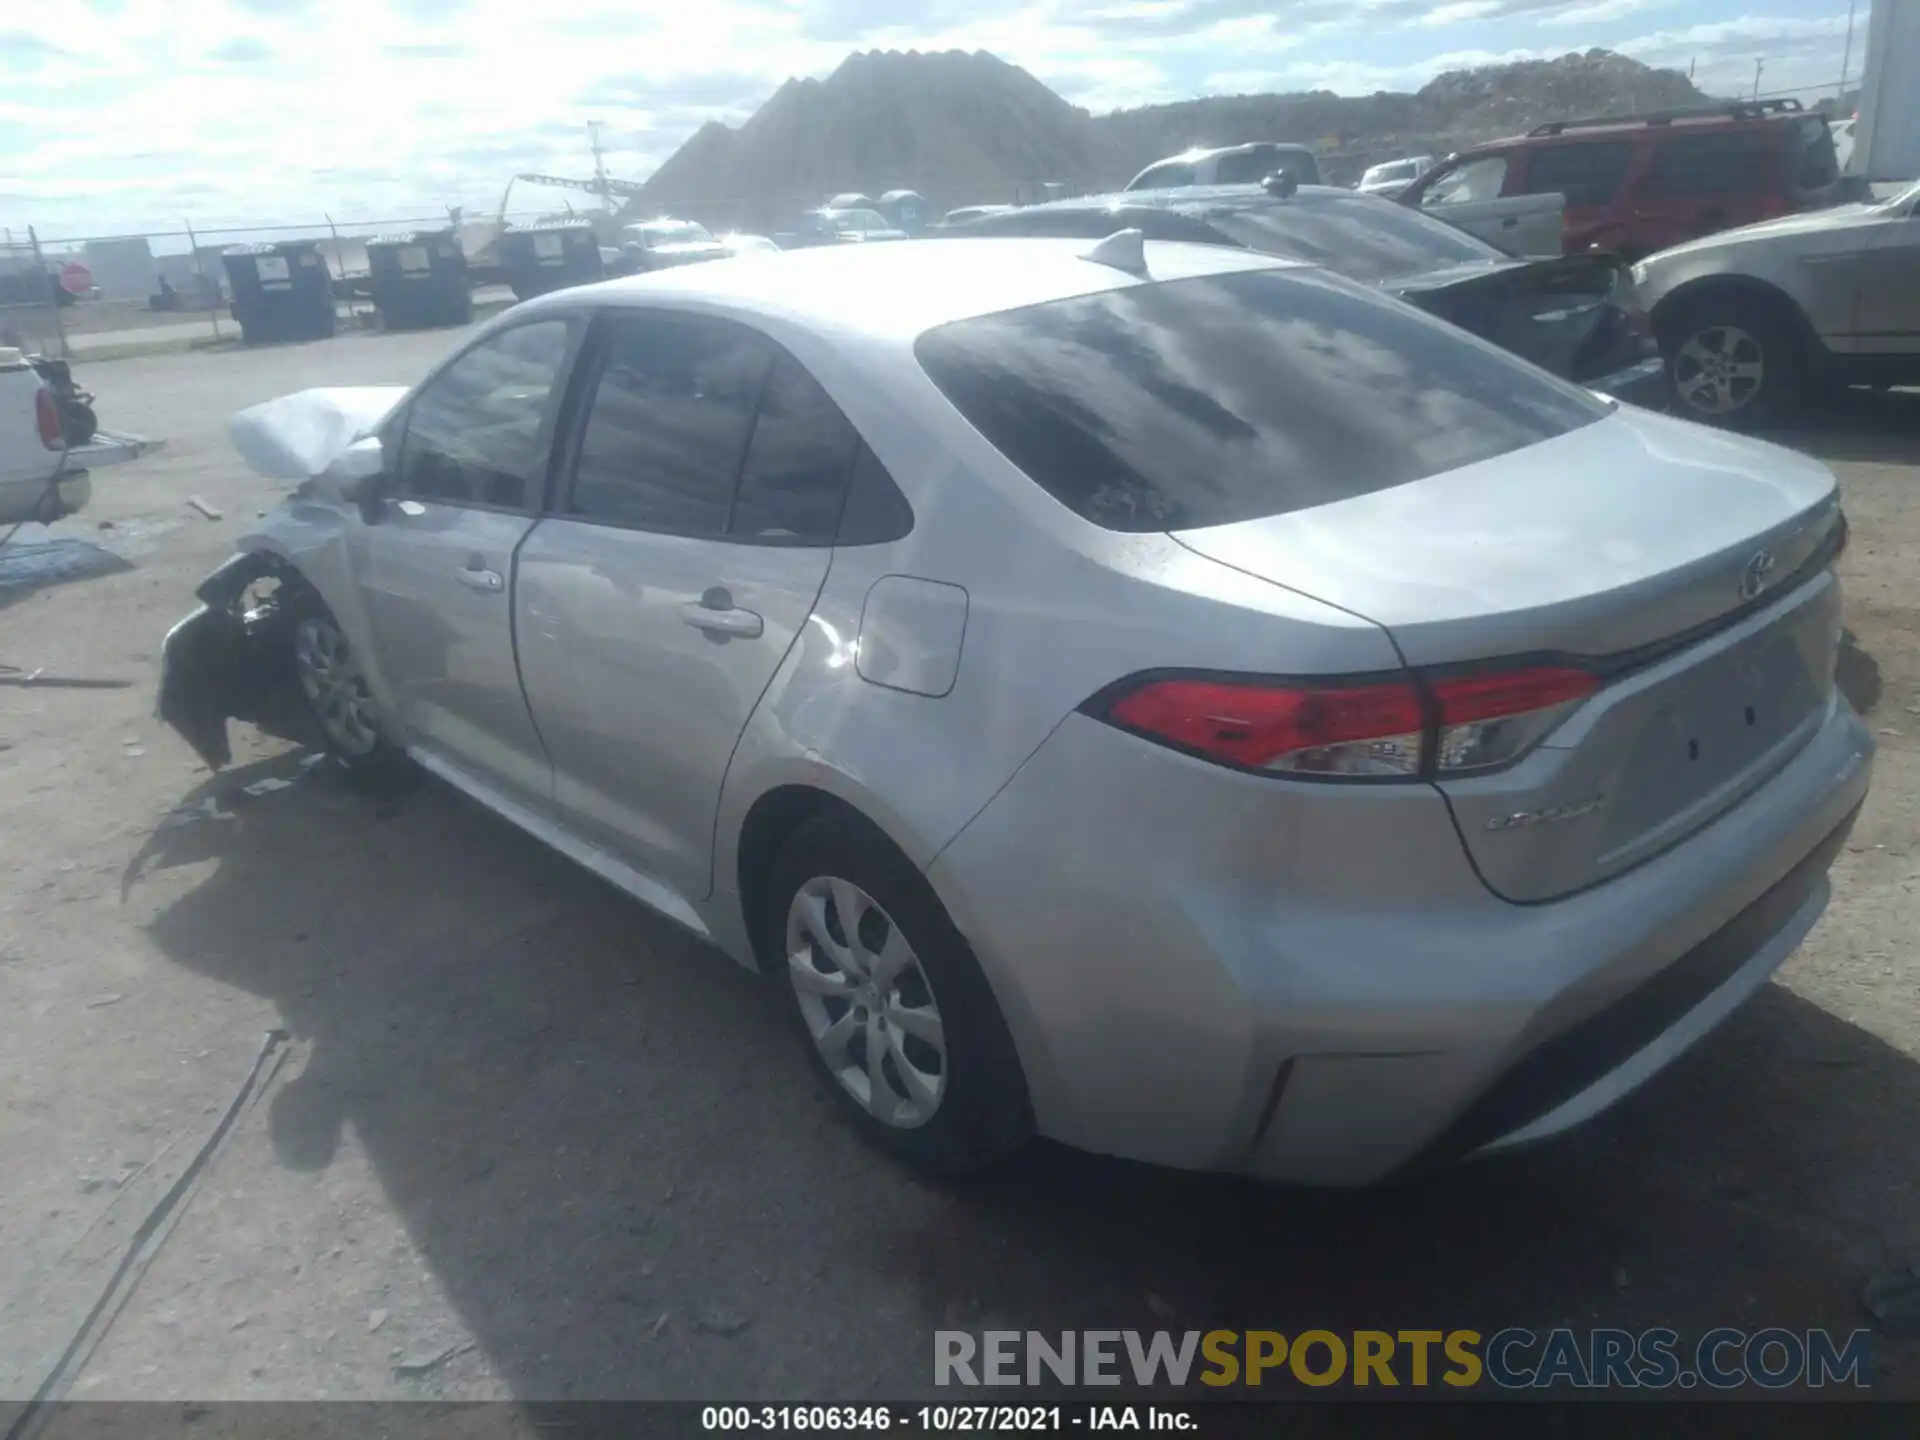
column 866, row 1002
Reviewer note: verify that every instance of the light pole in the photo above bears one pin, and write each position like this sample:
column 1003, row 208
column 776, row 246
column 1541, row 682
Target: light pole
column 1758, row 66
column 1846, row 56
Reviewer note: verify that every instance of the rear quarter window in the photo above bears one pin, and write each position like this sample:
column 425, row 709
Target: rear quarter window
column 1206, row 401
column 1725, row 162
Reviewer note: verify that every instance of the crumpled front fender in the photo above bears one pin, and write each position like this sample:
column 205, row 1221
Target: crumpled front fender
column 220, row 662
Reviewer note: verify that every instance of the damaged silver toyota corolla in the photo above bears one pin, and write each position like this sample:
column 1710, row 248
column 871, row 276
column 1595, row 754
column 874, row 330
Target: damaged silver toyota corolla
column 1156, row 696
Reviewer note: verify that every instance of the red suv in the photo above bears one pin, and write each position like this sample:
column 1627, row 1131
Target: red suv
column 1635, row 184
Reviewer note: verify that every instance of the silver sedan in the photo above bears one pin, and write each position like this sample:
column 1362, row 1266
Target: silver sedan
column 1160, row 697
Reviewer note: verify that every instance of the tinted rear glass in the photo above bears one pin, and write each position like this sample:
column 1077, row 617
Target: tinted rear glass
column 1202, row 402
column 1250, row 167
column 1712, row 162
column 1586, row 172
column 1355, row 236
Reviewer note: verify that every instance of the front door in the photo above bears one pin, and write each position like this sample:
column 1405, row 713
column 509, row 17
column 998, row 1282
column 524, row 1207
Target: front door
column 437, row 566
column 1471, row 194
column 686, row 551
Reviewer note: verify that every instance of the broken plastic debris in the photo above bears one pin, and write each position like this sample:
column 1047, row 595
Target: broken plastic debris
column 206, row 809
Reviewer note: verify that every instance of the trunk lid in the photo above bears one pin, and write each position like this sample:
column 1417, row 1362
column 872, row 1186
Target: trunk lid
column 1685, row 566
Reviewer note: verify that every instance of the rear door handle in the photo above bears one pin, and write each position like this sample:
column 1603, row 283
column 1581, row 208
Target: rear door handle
column 743, row 623
column 715, row 613
column 1512, row 222
column 488, row 581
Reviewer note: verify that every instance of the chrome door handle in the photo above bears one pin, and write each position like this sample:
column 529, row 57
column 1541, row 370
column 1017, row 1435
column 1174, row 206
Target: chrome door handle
column 743, row 623
column 488, row 581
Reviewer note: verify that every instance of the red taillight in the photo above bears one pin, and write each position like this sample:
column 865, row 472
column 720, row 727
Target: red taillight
column 1449, row 725
column 1468, row 698
column 46, row 416
column 1315, row 730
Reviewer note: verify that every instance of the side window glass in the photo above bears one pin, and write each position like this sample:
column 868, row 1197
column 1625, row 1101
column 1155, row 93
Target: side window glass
column 667, row 426
column 1161, row 176
column 1247, row 169
column 1587, row 173
column 479, row 432
column 1480, row 179
column 794, row 482
column 876, row 511
column 1725, row 163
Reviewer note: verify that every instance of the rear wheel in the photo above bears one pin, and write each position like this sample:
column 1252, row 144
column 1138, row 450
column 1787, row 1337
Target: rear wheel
column 891, row 1003
column 342, row 705
column 1734, row 361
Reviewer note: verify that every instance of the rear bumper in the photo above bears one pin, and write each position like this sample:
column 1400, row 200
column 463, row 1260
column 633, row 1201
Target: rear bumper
column 43, row 498
column 74, row 491
column 1220, row 971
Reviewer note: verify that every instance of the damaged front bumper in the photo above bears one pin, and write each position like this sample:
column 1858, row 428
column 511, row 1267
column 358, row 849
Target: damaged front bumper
column 226, row 660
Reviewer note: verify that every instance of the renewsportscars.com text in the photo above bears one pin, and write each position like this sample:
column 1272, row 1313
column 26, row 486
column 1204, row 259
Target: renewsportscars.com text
column 1513, row 1359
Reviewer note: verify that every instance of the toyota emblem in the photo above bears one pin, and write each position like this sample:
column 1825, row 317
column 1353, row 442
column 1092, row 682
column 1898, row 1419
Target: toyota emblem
column 1753, row 579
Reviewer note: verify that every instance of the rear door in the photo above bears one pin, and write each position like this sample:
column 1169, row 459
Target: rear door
column 435, row 569
column 1701, row 182
column 1475, row 195
column 1590, row 175
column 690, row 537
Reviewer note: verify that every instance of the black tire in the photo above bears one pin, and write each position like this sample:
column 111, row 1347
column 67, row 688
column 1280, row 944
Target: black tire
column 360, row 754
column 1745, row 332
column 982, row 1115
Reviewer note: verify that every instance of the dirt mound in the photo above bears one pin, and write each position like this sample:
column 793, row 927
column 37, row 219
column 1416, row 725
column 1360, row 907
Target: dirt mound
column 966, row 128
column 950, row 125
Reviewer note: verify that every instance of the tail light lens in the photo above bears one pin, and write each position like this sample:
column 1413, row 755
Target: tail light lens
column 1398, row 730
column 1360, row 730
column 46, row 416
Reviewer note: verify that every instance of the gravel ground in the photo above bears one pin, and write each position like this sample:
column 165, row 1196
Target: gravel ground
column 513, row 1136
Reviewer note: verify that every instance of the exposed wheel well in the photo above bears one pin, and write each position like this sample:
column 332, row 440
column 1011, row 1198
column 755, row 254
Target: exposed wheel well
column 773, row 817
column 1673, row 309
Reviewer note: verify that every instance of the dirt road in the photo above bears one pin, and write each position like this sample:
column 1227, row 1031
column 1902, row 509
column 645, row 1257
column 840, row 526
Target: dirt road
column 521, row 1138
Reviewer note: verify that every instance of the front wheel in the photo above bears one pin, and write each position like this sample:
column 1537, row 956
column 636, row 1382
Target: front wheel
column 341, row 704
column 892, row 1004
column 1734, row 363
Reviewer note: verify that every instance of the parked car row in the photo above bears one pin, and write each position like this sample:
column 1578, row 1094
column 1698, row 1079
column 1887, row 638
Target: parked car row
column 1576, row 316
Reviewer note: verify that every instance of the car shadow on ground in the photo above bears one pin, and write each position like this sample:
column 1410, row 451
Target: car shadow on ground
column 589, row 1121
column 1864, row 426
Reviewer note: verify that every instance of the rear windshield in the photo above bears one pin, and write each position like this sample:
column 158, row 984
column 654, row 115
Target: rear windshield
column 1230, row 397
column 1354, row 235
column 1250, row 167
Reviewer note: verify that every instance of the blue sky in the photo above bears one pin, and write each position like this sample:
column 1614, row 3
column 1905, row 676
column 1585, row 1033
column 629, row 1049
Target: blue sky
column 129, row 114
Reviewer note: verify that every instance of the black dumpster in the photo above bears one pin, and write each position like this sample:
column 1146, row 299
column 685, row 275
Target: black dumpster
column 281, row 291
column 906, row 209
column 419, row 278
column 551, row 256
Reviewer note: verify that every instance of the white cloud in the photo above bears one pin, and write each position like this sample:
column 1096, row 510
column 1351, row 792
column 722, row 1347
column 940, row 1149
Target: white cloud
column 1599, row 11
column 130, row 114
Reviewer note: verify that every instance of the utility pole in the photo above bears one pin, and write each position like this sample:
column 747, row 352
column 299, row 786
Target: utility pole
column 1846, row 57
column 594, row 128
column 1758, row 66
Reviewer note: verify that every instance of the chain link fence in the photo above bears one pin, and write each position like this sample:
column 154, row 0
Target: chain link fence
column 79, row 295
column 32, row 300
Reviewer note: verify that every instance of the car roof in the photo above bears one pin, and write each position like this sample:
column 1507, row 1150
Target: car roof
column 1210, row 152
column 1677, row 122
column 1196, row 199
column 901, row 290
